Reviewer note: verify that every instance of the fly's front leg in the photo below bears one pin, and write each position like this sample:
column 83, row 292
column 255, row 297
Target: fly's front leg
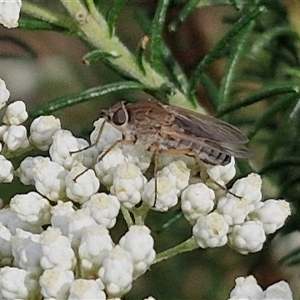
column 92, row 145
column 121, row 142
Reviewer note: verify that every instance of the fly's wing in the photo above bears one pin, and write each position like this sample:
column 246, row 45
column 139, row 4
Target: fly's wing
column 211, row 132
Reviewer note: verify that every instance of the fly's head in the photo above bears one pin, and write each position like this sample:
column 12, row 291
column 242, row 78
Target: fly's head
column 117, row 115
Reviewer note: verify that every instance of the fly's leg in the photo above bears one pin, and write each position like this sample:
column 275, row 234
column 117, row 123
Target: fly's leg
column 96, row 141
column 155, row 149
column 121, row 142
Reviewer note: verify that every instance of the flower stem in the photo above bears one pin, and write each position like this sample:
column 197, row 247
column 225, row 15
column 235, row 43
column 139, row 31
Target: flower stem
column 186, row 246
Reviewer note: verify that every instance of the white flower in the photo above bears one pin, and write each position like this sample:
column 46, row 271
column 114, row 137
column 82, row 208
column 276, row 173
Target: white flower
column 6, row 170
column 249, row 188
column 17, row 284
column 86, row 289
column 63, row 147
column 81, row 184
column 103, row 208
column 26, row 249
column 246, row 288
column 9, row 13
column 88, row 154
column 31, row 208
column 56, row 283
column 279, row 290
column 117, row 272
column 106, row 167
column 15, row 113
column 5, row 246
column 234, row 209
column 220, row 174
column 272, row 214
column 25, row 171
column 93, row 249
column 3, row 129
column 49, row 179
column 56, row 251
column 247, row 237
column 138, row 155
column 60, row 213
column 78, row 222
column 164, row 198
column 42, row 130
column 127, row 184
column 210, row 231
column 139, row 244
column 4, row 92
column 12, row 221
column 165, row 159
column 108, row 136
column 16, row 137
column 197, row 200
column 177, row 173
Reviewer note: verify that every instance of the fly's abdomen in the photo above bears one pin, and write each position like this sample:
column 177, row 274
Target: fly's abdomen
column 214, row 157
column 205, row 153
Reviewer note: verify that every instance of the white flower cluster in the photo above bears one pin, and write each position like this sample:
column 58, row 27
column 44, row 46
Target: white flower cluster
column 237, row 217
column 75, row 257
column 56, row 241
column 248, row 288
column 37, row 262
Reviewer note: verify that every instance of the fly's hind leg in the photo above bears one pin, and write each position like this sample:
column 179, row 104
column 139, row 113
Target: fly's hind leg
column 206, row 176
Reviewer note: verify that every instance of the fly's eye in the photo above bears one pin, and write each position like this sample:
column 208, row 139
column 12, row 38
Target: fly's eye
column 119, row 117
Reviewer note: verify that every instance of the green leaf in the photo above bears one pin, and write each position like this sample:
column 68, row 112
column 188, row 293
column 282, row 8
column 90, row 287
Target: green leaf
column 259, row 96
column 34, row 24
column 223, row 44
column 278, row 106
column 176, row 73
column 279, row 164
column 157, row 34
column 236, row 54
column 279, row 137
column 292, row 258
column 86, row 95
column 140, row 57
column 95, row 55
column 264, row 39
column 188, row 9
column 177, row 216
column 210, row 88
column 192, row 5
column 113, row 14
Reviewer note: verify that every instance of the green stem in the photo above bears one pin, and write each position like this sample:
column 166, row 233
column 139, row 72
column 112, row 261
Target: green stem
column 140, row 213
column 97, row 33
column 126, row 216
column 48, row 16
column 186, row 246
